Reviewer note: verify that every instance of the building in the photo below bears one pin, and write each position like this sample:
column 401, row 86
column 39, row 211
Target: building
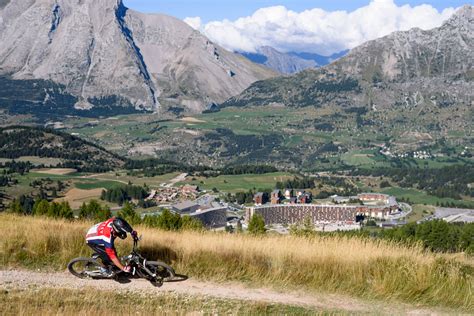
column 275, row 197
column 185, row 207
column 296, row 213
column 304, row 198
column 299, row 192
column 259, row 198
column 374, row 197
column 288, row 193
column 454, row 215
column 212, row 218
column 188, row 188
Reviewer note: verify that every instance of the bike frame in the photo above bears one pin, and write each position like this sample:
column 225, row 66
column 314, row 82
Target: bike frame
column 137, row 260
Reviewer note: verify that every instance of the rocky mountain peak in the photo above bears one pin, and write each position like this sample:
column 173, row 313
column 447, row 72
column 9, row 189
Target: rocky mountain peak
column 464, row 17
column 404, row 69
column 104, row 54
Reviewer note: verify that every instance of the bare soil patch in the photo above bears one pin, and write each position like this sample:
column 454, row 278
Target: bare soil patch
column 192, row 120
column 75, row 197
column 56, row 171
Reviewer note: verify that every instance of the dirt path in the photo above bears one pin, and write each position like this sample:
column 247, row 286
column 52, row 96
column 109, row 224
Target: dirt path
column 177, row 179
column 97, row 176
column 10, row 279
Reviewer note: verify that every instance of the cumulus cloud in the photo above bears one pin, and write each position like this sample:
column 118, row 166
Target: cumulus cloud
column 194, row 22
column 316, row 30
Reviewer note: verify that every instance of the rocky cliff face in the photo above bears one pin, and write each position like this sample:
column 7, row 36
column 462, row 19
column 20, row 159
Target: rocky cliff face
column 408, row 69
column 100, row 50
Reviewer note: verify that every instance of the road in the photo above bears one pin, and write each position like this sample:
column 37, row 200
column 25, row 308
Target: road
column 406, row 210
column 22, row 279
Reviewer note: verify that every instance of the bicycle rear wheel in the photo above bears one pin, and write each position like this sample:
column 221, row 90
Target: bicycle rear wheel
column 85, row 268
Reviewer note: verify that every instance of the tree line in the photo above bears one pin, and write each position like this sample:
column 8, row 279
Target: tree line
column 435, row 236
column 94, row 211
column 449, row 181
column 39, row 207
column 124, row 193
column 156, row 166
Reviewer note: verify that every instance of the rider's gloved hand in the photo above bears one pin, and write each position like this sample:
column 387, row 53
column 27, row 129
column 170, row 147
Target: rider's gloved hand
column 134, row 234
column 127, row 269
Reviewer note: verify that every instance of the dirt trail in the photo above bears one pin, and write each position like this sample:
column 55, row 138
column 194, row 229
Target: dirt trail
column 177, row 179
column 10, row 279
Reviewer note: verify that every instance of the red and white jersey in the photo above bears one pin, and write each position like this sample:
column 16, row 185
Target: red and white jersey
column 101, row 234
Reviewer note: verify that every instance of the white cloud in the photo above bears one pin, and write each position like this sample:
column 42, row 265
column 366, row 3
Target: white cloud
column 317, row 30
column 194, row 22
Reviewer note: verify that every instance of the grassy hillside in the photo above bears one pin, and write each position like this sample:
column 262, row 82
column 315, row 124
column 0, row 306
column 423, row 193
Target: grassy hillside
column 19, row 141
column 303, row 138
column 359, row 267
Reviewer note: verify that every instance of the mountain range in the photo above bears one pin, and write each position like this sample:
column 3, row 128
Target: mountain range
column 101, row 54
column 292, row 62
column 430, row 71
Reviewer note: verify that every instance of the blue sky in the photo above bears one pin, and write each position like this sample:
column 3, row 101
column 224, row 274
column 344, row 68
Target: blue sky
column 209, row 10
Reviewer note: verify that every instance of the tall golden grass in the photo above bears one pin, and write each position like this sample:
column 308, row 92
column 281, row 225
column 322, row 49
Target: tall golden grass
column 360, row 267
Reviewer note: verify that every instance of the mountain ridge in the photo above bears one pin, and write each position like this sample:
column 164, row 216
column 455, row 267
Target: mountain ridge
column 403, row 68
column 291, row 62
column 101, row 50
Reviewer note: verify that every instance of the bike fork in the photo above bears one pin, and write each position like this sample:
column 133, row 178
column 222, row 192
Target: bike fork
column 147, row 270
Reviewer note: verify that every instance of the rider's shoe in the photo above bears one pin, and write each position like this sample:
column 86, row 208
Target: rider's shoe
column 106, row 272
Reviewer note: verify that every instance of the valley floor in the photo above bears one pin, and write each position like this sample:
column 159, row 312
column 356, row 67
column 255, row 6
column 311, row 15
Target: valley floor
column 66, row 291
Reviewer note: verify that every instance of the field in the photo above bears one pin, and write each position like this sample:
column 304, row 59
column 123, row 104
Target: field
column 121, row 176
column 75, row 197
column 303, row 136
column 36, row 160
column 244, row 182
column 82, row 187
column 349, row 266
column 56, row 171
column 420, row 197
column 419, row 211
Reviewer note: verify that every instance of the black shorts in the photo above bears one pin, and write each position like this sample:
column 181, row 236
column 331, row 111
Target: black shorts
column 100, row 250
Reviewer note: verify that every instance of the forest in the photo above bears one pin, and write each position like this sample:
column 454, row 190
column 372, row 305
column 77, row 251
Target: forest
column 450, row 181
column 124, row 193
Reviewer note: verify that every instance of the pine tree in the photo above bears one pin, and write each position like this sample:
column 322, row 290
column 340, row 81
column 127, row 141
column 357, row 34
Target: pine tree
column 40, row 207
column 66, row 211
column 257, row 225
column 15, row 207
column 128, row 213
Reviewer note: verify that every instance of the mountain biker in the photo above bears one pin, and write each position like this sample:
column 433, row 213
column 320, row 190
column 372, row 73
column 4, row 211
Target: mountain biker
column 101, row 236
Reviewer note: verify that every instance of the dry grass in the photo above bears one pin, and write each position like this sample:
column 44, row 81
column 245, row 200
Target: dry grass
column 364, row 268
column 56, row 171
column 95, row 302
column 76, row 196
column 192, row 120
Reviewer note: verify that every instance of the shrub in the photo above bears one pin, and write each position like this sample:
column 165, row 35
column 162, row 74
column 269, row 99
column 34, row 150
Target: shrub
column 257, row 225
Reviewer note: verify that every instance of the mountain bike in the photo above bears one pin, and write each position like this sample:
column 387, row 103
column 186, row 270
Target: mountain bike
column 156, row 272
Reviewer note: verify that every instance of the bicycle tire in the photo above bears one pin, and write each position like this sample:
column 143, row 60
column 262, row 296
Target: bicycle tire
column 82, row 275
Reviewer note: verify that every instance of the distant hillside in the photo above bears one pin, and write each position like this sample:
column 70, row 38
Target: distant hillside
column 416, row 77
column 18, row 141
column 289, row 63
column 320, row 59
